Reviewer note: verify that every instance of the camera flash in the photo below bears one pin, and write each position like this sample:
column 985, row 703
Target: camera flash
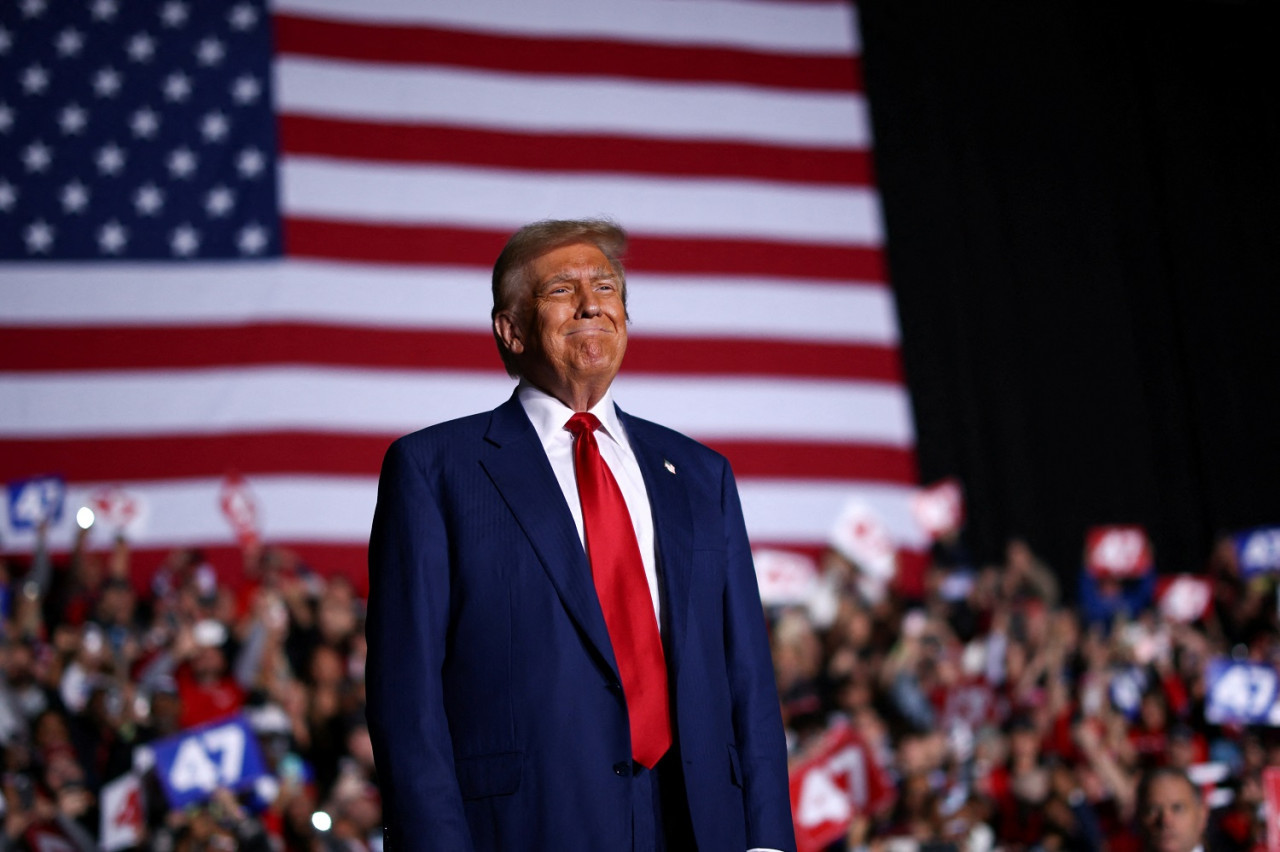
column 84, row 517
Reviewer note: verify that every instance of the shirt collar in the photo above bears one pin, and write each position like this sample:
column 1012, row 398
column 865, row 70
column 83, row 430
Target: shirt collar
column 549, row 415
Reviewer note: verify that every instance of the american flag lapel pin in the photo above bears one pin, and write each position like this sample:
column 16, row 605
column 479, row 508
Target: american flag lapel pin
column 669, row 466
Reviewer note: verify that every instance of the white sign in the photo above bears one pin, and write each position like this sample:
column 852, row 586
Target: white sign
column 122, row 813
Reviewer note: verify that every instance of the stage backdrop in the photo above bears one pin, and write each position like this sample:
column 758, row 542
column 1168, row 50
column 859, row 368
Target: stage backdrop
column 1083, row 209
column 247, row 247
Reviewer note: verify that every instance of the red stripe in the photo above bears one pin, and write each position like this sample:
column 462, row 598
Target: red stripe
column 79, row 348
column 598, row 57
column 421, row 244
column 424, row 143
column 342, row 454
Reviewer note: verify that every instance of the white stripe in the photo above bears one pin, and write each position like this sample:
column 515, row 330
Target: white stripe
column 783, row 27
column 721, row 408
column 427, row 298
column 217, row 401
column 807, row 510
column 558, row 104
column 506, row 200
column 339, row 510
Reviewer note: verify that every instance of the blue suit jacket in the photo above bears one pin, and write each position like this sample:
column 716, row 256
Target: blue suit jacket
column 494, row 701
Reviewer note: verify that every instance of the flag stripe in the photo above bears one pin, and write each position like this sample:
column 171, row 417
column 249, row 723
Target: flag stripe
column 165, row 402
column 557, row 104
column 37, row 349
column 128, row 296
column 438, row 143
column 413, row 193
column 334, row 239
column 252, row 453
column 786, row 27
column 581, row 56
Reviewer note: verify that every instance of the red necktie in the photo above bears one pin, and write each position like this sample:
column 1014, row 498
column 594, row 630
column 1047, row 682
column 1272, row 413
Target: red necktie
column 624, row 595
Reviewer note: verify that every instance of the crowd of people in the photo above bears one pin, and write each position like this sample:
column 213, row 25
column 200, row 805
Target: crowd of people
column 1007, row 717
column 999, row 713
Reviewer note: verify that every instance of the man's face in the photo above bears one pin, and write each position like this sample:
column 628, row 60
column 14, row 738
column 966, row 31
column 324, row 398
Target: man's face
column 570, row 331
column 1173, row 817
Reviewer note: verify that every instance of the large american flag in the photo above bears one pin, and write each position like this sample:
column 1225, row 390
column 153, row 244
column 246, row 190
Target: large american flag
column 252, row 239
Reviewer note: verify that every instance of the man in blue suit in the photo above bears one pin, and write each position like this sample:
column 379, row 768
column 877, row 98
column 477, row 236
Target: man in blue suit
column 497, row 665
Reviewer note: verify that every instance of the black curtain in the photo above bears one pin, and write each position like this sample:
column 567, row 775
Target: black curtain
column 1082, row 204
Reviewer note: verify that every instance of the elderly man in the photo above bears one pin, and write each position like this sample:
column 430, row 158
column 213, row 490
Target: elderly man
column 566, row 644
column 1171, row 813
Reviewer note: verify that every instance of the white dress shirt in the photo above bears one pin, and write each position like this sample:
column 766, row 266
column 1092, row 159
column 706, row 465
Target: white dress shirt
column 549, row 415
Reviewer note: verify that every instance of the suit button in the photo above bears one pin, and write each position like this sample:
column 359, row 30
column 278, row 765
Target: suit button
column 622, row 768
column 614, row 687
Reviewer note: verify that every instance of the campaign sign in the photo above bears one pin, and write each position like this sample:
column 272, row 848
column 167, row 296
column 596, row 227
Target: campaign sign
column 1126, row 688
column 838, row 780
column 1240, row 693
column 240, row 509
column 1258, row 550
column 1184, row 597
column 194, row 763
column 33, row 501
column 123, row 814
column 861, row 537
column 785, row 578
column 119, row 510
column 939, row 509
column 1271, row 797
column 1119, row 551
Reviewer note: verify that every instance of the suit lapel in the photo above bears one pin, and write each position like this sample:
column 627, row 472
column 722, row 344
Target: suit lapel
column 673, row 528
column 518, row 467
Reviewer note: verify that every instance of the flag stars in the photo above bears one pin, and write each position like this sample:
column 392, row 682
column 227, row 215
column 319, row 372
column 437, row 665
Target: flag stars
column 174, row 14
column 246, row 90
column 69, row 43
column 184, row 241
column 182, row 163
column 6, row 41
column 35, row 79
column 74, row 197
column 214, row 127
column 242, row 17
column 107, row 82
column 112, row 237
column 144, row 123
column 72, row 119
column 250, row 163
column 148, row 199
column 6, row 118
column 32, row 8
column 252, row 239
column 103, row 10
column 219, row 201
column 110, row 159
column 141, row 47
column 210, row 52
column 8, row 196
column 177, row 87
column 36, row 157
column 39, row 237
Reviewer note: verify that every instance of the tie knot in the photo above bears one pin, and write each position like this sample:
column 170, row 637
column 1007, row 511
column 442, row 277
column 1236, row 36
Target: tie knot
column 582, row 423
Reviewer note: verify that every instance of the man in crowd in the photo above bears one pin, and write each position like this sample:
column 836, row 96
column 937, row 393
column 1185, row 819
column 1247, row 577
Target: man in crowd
column 1171, row 812
column 566, row 643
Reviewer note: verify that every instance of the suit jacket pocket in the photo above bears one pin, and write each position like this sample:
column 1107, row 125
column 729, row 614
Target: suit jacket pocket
column 489, row 774
column 735, row 766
